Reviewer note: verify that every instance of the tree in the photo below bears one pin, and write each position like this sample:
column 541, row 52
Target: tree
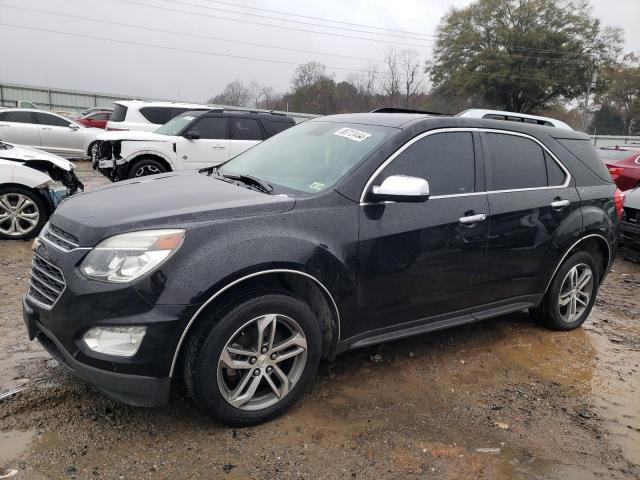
column 412, row 73
column 309, row 74
column 607, row 121
column 234, row 94
column 623, row 92
column 521, row 55
column 390, row 82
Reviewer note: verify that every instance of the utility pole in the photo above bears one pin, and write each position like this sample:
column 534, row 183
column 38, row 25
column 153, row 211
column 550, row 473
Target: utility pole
column 592, row 84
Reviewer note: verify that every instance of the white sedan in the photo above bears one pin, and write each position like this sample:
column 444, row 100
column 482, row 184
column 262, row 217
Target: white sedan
column 47, row 131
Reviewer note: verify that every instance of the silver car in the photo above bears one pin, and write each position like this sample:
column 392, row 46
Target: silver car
column 47, row 131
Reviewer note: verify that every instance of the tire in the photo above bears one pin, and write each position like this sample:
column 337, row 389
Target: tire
column 224, row 392
column 561, row 317
column 23, row 212
column 144, row 167
column 90, row 149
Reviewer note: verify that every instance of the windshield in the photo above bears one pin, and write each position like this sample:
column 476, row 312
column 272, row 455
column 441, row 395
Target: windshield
column 310, row 157
column 175, row 125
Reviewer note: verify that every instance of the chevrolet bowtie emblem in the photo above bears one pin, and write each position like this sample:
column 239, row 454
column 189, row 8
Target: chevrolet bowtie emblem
column 35, row 244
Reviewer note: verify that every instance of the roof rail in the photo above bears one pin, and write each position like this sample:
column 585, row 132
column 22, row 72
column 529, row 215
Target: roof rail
column 241, row 110
column 404, row 110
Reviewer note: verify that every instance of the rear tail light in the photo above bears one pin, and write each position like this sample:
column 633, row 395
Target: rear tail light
column 615, row 172
column 618, row 198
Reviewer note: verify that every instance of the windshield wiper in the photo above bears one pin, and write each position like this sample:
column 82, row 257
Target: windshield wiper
column 252, row 181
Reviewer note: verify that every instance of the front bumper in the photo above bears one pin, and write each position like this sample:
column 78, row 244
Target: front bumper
column 134, row 390
column 630, row 240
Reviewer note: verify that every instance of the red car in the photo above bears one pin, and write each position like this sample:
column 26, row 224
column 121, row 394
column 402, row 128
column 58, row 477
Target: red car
column 623, row 164
column 95, row 119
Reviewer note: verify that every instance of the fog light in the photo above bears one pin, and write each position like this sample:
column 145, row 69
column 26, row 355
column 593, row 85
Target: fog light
column 119, row 341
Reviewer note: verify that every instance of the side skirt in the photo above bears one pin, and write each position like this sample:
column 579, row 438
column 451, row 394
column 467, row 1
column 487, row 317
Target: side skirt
column 432, row 324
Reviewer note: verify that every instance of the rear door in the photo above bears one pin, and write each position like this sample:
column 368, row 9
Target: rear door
column 245, row 133
column 210, row 148
column 19, row 127
column 59, row 135
column 530, row 196
column 419, row 260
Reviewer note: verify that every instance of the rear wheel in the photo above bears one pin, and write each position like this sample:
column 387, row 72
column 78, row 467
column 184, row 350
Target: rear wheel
column 146, row 166
column 572, row 293
column 22, row 213
column 250, row 362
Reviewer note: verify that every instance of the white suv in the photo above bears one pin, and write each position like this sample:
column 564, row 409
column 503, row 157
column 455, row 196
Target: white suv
column 147, row 116
column 192, row 140
column 513, row 117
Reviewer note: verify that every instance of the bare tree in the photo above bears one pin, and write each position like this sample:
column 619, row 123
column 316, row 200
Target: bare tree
column 235, row 94
column 365, row 83
column 390, row 83
column 309, row 74
column 412, row 74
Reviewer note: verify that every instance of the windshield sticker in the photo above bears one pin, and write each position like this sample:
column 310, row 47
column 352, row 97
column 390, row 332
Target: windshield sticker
column 352, row 134
column 317, row 186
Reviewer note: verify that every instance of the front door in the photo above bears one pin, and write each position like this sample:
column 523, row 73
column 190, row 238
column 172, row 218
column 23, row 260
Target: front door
column 211, row 147
column 420, row 260
column 59, row 135
column 530, row 196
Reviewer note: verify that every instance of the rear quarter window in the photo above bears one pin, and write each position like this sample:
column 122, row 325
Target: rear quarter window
column 119, row 113
column 159, row 115
column 584, row 151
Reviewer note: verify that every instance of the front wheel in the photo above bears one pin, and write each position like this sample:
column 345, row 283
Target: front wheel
column 571, row 295
column 22, row 213
column 256, row 361
column 144, row 167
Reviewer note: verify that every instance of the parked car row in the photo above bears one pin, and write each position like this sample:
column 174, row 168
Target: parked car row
column 342, row 232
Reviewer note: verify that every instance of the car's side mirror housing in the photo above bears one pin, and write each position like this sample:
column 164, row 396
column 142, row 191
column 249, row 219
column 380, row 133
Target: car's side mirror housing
column 192, row 136
column 73, row 126
column 401, row 188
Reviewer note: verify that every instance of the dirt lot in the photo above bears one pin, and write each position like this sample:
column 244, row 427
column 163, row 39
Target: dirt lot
column 500, row 399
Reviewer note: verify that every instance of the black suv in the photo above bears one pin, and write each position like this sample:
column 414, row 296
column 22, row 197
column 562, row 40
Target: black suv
column 342, row 232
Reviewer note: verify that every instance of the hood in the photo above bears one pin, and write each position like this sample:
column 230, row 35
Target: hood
column 134, row 135
column 160, row 201
column 22, row 154
column 632, row 198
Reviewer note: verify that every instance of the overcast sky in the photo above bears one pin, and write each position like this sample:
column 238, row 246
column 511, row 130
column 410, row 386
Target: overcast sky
column 39, row 56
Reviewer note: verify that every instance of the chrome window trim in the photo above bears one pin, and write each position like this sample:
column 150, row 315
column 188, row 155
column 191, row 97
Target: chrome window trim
column 395, row 154
column 236, row 282
column 571, row 248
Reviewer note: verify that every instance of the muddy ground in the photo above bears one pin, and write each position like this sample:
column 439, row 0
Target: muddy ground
column 502, row 399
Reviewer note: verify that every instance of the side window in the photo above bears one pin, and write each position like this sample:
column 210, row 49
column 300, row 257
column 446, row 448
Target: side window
column 245, row 129
column 514, row 162
column 445, row 160
column 274, row 128
column 18, row 117
column 159, row 115
column 555, row 174
column 100, row 116
column 212, row 128
column 46, row 119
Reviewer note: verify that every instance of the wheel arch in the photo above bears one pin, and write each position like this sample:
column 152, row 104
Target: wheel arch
column 149, row 155
column 594, row 243
column 300, row 284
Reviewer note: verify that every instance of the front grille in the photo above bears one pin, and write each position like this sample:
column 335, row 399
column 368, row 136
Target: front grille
column 46, row 282
column 63, row 240
column 632, row 215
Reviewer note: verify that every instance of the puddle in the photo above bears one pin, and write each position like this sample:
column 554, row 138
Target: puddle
column 13, row 443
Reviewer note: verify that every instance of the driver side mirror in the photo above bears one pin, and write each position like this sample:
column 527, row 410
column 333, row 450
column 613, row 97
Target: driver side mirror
column 73, row 126
column 192, row 135
column 401, row 188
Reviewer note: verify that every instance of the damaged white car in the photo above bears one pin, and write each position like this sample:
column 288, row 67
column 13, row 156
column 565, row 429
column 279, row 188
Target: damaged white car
column 32, row 184
column 192, row 140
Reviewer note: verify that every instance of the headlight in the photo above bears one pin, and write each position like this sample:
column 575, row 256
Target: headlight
column 123, row 258
column 120, row 341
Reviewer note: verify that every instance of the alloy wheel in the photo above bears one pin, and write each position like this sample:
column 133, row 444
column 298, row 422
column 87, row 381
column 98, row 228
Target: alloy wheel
column 575, row 292
column 19, row 215
column 262, row 362
column 146, row 170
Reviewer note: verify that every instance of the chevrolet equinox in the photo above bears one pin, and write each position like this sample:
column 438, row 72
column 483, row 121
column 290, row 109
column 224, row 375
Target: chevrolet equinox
column 342, row 232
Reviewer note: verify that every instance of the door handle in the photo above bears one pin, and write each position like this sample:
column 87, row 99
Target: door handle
column 559, row 204
column 46, row 128
column 219, row 146
column 479, row 217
